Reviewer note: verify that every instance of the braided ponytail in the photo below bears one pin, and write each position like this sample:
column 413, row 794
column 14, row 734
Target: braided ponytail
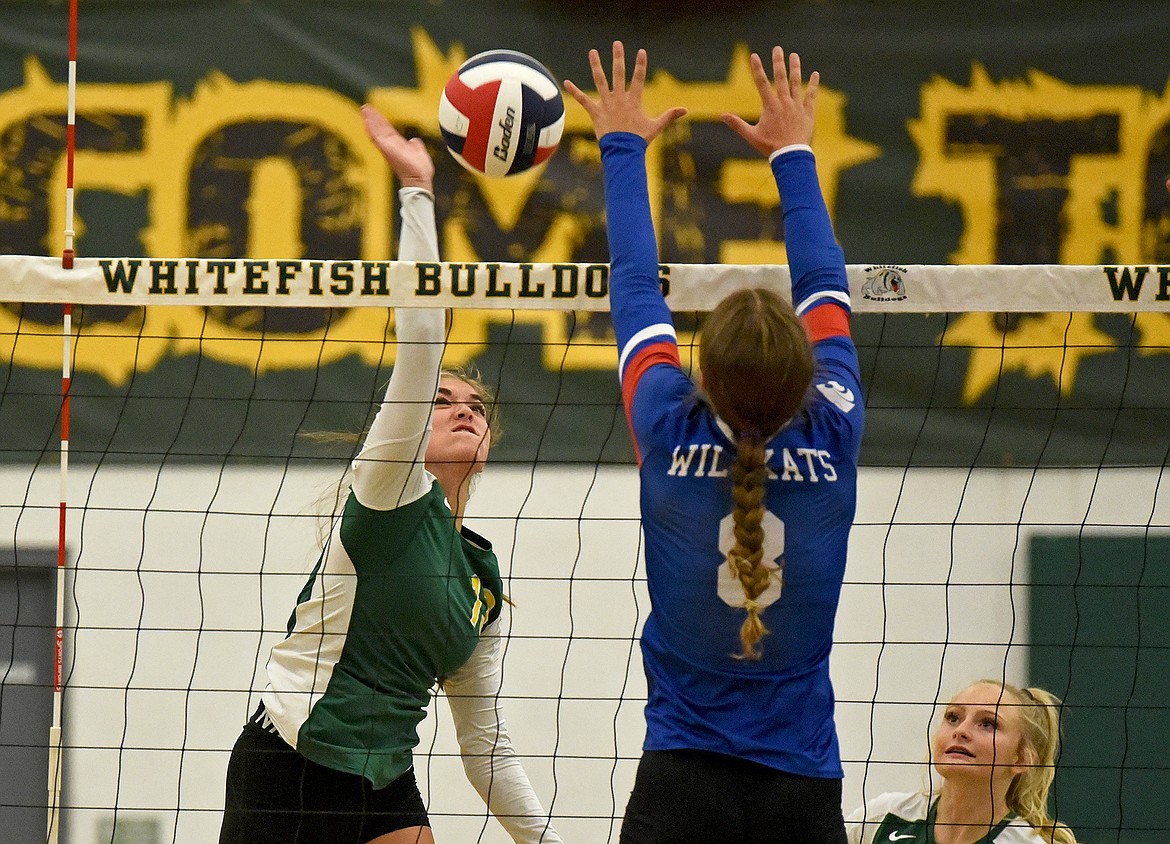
column 746, row 558
column 757, row 365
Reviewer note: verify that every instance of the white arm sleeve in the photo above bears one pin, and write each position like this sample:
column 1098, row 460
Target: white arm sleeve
column 488, row 759
column 862, row 824
column 855, row 827
column 390, row 470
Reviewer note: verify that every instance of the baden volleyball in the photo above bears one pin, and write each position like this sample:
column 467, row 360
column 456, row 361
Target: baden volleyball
column 501, row 113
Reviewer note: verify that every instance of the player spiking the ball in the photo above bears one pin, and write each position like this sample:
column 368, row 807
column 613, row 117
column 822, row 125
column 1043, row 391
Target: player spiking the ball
column 404, row 596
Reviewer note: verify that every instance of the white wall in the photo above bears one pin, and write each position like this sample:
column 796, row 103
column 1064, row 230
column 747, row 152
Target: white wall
column 183, row 578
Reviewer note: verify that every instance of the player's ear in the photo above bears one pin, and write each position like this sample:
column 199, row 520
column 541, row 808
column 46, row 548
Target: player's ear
column 1025, row 759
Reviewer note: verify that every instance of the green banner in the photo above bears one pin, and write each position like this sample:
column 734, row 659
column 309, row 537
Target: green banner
column 1010, row 133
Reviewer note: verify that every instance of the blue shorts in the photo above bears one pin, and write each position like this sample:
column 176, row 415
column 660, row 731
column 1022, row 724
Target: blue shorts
column 277, row 796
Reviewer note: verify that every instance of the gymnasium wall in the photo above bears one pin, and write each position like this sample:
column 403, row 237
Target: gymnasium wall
column 183, row 578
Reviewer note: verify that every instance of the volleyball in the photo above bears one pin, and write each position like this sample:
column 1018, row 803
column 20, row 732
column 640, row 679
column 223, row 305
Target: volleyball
column 501, row 113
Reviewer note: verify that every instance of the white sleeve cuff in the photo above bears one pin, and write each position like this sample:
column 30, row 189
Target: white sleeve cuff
column 403, row 193
column 789, row 148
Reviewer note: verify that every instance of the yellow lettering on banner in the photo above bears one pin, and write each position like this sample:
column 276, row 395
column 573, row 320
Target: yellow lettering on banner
column 129, row 167
column 159, row 163
column 1039, row 345
column 139, row 342
column 219, row 104
column 978, row 141
column 186, row 156
column 505, row 199
column 1085, row 146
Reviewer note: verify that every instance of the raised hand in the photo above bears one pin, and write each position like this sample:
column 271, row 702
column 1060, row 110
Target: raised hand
column 409, row 159
column 618, row 107
column 788, row 108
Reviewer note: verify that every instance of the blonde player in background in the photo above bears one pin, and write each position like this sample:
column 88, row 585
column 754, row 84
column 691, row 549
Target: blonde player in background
column 995, row 750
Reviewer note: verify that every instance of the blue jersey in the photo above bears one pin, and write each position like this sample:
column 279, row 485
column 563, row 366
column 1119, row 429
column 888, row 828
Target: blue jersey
column 777, row 711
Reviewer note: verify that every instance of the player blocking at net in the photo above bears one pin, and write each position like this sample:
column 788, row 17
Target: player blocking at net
column 403, row 596
column 745, row 545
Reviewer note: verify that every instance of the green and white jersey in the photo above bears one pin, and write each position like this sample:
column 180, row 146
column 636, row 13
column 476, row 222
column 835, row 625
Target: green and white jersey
column 401, row 600
column 909, row 818
column 396, row 602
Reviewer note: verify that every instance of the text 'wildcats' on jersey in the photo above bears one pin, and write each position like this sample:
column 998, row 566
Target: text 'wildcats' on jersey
column 712, row 463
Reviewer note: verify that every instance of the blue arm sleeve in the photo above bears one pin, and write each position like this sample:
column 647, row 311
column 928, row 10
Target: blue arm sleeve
column 640, row 313
column 819, row 283
column 815, row 258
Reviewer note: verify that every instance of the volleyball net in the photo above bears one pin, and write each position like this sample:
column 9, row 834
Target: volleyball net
column 1012, row 519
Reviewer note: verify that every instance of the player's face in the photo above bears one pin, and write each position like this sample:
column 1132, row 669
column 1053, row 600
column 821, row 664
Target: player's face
column 459, row 426
column 978, row 736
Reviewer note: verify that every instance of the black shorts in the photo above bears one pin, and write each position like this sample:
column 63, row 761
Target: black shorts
column 693, row 796
column 277, row 796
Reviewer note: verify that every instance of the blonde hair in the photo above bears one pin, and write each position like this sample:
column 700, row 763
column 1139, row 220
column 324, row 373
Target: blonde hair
column 756, row 362
column 332, row 498
column 746, row 558
column 1039, row 720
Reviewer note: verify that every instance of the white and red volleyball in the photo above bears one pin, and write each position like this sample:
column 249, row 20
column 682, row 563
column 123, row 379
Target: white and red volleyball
column 501, row 113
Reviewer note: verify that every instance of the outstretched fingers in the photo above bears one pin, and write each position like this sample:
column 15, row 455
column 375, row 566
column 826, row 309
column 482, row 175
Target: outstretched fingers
column 617, row 107
column 666, row 118
column 639, row 80
column 619, row 66
column 409, row 159
column 810, row 92
column 795, row 81
column 737, row 124
column 779, row 84
column 378, row 127
column 599, row 80
column 787, row 106
column 763, row 83
column 580, row 96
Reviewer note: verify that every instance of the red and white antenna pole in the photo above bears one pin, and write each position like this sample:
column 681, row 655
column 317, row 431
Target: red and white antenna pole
column 55, row 767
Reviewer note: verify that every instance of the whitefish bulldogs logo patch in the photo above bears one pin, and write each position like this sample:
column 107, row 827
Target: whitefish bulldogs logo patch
column 884, row 283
